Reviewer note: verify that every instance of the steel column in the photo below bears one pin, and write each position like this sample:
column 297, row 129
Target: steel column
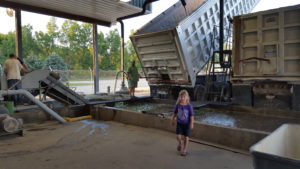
column 122, row 52
column 18, row 25
column 95, row 59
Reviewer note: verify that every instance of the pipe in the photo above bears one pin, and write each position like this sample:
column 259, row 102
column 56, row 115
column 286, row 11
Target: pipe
column 139, row 13
column 221, row 27
column 37, row 102
column 122, row 52
column 122, row 33
column 123, row 71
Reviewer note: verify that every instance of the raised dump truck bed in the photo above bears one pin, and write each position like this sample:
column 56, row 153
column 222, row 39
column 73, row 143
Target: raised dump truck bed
column 266, row 57
column 267, row 44
column 176, row 45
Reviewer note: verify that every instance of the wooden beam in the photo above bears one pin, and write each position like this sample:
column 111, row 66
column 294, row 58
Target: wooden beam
column 51, row 12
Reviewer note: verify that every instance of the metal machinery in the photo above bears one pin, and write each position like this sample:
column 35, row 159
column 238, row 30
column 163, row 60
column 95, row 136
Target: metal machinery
column 10, row 125
column 266, row 57
column 175, row 47
column 48, row 83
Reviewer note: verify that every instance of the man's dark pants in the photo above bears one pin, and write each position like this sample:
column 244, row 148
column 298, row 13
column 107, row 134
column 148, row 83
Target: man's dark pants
column 14, row 84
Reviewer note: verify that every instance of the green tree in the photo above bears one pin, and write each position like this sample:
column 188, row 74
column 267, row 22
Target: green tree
column 103, row 51
column 109, row 48
column 7, row 45
column 29, row 44
column 34, row 62
column 77, row 39
column 72, row 42
column 55, row 62
column 130, row 55
column 48, row 42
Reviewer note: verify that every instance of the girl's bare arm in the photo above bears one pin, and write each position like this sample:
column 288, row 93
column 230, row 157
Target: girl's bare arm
column 192, row 119
column 173, row 119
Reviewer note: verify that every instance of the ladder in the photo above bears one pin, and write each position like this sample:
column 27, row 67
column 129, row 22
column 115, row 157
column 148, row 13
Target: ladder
column 218, row 73
column 217, row 78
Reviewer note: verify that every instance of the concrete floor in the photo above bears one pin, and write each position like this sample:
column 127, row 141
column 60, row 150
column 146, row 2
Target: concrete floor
column 111, row 145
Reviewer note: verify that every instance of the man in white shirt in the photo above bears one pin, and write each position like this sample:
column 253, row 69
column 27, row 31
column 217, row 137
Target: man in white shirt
column 12, row 69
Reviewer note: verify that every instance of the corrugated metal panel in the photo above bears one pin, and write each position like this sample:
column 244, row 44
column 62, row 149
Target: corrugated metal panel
column 171, row 17
column 104, row 10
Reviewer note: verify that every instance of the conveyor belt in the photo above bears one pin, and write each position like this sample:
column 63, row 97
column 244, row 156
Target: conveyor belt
column 58, row 91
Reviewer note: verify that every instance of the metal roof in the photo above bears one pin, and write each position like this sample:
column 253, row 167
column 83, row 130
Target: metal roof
column 102, row 12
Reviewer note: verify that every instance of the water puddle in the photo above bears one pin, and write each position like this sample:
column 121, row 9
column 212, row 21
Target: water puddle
column 93, row 125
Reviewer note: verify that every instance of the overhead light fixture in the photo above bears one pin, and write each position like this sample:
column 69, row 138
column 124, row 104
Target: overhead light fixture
column 125, row 0
column 10, row 12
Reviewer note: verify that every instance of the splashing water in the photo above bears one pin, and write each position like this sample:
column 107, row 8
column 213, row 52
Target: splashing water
column 219, row 119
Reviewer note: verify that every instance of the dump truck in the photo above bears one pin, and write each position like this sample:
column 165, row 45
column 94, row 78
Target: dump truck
column 175, row 47
column 266, row 59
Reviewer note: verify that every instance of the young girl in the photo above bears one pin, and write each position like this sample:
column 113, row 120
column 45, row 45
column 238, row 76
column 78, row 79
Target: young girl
column 184, row 115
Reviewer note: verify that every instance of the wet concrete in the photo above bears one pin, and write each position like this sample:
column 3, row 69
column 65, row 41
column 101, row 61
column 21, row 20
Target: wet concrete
column 93, row 144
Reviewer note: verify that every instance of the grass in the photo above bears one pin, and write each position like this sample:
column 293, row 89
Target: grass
column 80, row 84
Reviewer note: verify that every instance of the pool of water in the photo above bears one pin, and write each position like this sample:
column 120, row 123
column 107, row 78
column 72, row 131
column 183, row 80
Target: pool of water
column 241, row 119
column 213, row 116
column 146, row 107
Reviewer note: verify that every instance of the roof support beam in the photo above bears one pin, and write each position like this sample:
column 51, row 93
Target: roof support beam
column 18, row 26
column 51, row 12
column 95, row 59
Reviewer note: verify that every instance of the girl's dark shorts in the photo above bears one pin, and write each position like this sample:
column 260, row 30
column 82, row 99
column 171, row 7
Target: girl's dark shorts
column 183, row 129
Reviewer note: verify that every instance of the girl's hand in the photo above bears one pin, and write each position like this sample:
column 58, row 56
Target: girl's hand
column 191, row 125
column 173, row 122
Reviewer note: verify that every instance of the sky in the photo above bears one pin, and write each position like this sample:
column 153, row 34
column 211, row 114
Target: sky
column 39, row 21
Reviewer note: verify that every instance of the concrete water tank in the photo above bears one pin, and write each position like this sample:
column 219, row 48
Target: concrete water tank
column 279, row 150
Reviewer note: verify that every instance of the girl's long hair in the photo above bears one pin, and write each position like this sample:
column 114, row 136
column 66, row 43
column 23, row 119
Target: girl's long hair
column 182, row 93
